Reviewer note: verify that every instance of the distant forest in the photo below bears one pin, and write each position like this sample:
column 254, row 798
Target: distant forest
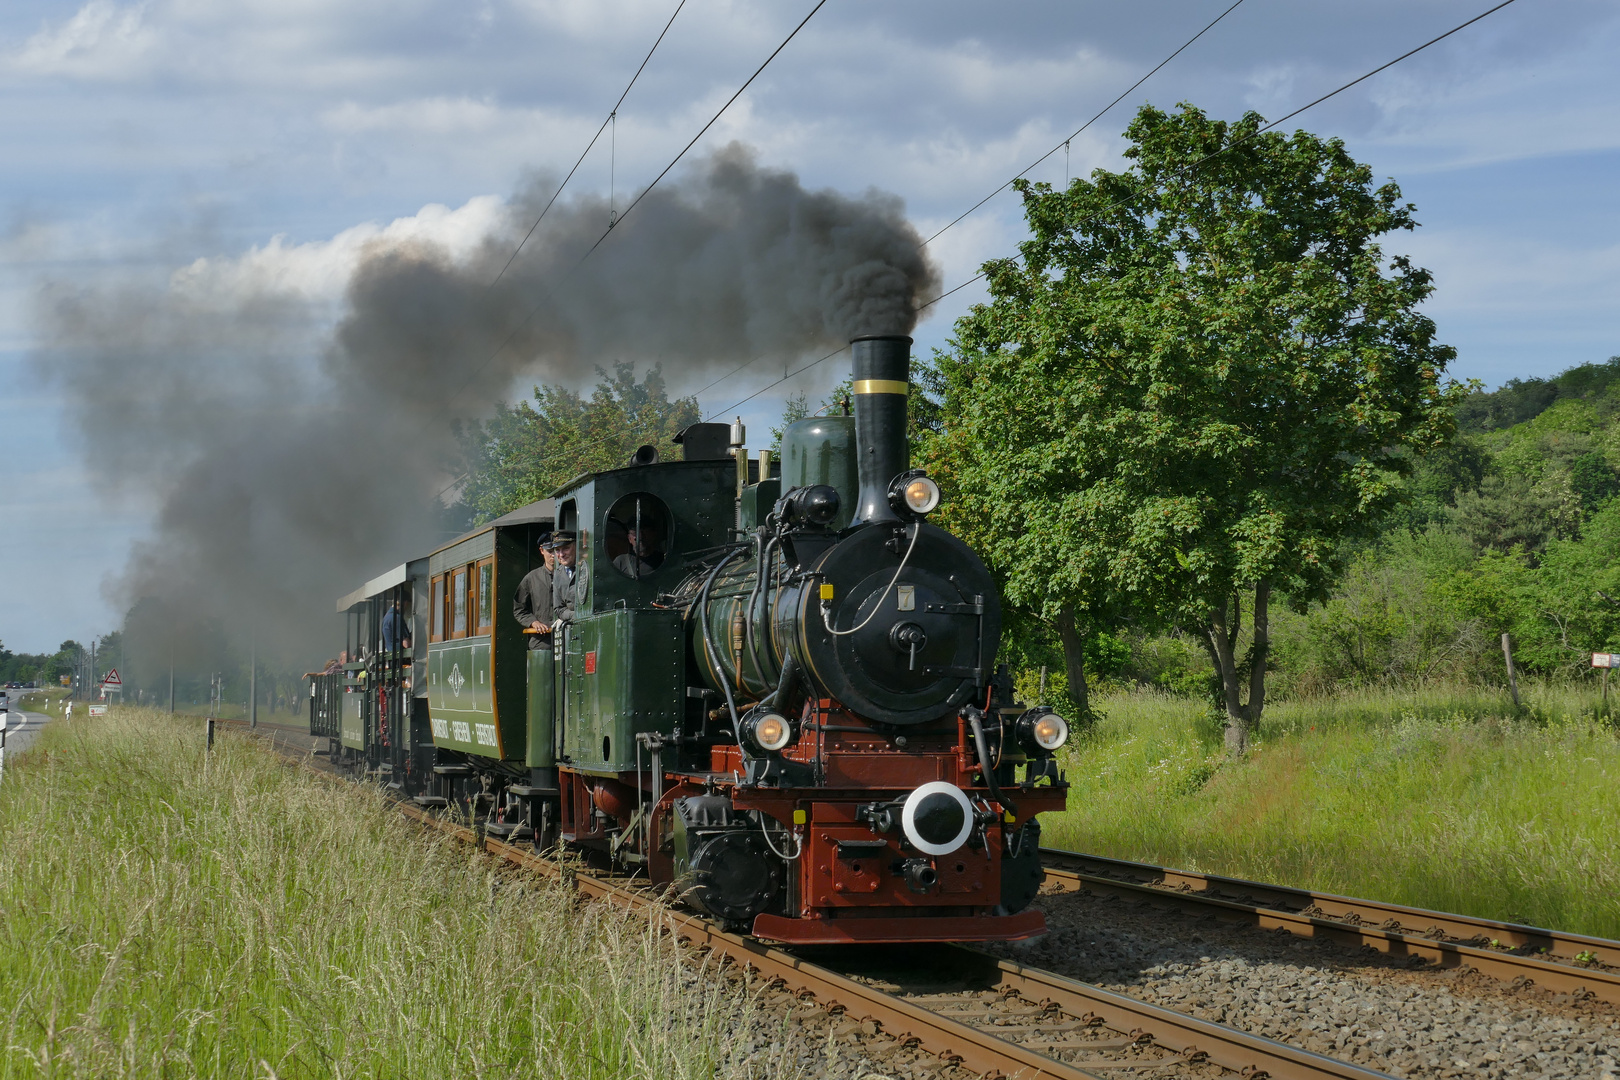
column 44, row 668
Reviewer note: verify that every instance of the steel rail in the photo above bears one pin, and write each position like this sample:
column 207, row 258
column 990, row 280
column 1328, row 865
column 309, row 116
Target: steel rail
column 1188, row 1036
column 1444, row 939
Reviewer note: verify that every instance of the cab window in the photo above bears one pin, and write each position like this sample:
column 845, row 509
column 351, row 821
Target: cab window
column 636, row 534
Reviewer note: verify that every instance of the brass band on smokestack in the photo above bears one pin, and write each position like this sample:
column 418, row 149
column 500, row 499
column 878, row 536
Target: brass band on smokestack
column 882, row 377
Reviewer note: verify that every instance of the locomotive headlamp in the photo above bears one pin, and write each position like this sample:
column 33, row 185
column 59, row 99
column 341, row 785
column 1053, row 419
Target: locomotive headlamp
column 913, row 493
column 768, row 731
column 922, row 495
column 937, row 818
column 1041, row 731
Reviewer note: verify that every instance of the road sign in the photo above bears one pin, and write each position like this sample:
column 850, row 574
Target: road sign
column 98, row 710
column 112, row 679
column 1605, row 659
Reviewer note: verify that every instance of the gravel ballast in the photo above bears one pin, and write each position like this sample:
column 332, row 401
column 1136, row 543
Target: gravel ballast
column 1352, row 1004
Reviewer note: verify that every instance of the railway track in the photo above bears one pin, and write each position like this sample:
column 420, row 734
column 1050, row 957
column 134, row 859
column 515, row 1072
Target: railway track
column 1551, row 959
column 998, row 1019
column 963, row 1007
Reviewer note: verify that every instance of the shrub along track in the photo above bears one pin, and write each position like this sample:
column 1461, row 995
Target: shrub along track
column 965, row 1010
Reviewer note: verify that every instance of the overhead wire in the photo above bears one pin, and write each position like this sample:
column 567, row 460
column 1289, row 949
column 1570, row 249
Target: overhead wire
column 612, row 115
column 1082, row 128
column 1060, row 146
column 524, row 321
column 1257, row 132
column 676, row 160
column 1185, row 171
column 704, row 130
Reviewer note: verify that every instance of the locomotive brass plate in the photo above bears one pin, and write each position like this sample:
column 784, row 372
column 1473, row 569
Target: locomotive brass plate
column 906, row 597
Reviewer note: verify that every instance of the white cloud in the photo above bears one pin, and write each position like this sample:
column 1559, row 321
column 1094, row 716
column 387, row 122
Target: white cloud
column 318, row 271
column 435, row 116
column 100, row 41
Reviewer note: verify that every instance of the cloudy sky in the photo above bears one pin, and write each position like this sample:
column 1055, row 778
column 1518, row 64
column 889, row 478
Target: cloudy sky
column 252, row 142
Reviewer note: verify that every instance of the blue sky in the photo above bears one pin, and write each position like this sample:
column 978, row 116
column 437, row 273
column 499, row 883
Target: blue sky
column 270, row 139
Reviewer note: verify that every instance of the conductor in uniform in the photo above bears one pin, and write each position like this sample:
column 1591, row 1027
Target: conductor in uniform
column 532, row 604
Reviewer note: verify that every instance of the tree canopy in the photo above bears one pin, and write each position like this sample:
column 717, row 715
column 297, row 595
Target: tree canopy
column 526, row 451
column 1201, row 377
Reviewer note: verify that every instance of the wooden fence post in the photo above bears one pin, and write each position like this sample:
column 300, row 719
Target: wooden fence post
column 1513, row 679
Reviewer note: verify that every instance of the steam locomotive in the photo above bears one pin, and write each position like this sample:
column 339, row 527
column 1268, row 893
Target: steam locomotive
column 777, row 694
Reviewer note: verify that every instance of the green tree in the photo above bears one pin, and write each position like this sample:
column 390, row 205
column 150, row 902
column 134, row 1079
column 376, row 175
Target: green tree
column 525, row 452
column 794, row 409
column 1202, row 378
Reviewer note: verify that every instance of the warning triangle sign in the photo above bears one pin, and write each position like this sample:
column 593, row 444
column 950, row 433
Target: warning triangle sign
column 112, row 679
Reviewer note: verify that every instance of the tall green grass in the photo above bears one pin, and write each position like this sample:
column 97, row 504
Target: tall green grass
column 168, row 912
column 1445, row 799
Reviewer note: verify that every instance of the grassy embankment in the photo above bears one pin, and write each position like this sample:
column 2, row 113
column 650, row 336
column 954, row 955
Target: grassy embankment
column 1438, row 799
column 168, row 912
column 51, row 701
column 40, row 701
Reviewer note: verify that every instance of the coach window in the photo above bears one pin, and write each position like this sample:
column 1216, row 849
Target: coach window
column 437, row 631
column 636, row 534
column 458, row 589
column 486, row 595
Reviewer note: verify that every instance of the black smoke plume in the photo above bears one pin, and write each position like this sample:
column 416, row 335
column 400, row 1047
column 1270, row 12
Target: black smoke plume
column 291, row 451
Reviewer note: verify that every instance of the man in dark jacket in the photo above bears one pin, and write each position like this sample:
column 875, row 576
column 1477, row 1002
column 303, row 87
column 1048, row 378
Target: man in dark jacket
column 396, row 629
column 532, row 605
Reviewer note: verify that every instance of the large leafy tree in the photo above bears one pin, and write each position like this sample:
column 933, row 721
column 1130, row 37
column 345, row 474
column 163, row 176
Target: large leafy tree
column 1199, row 380
column 525, row 452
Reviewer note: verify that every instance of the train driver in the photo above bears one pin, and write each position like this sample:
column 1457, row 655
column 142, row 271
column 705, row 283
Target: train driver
column 646, row 552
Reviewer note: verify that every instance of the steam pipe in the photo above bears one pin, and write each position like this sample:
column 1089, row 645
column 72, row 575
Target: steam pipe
column 882, row 381
column 764, row 547
column 973, row 715
column 708, row 638
column 785, row 685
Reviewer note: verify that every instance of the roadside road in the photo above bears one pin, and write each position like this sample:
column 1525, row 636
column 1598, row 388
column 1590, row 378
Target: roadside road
column 21, row 728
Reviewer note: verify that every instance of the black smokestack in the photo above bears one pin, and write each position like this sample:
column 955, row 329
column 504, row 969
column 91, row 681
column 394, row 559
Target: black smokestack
column 294, row 441
column 882, row 378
